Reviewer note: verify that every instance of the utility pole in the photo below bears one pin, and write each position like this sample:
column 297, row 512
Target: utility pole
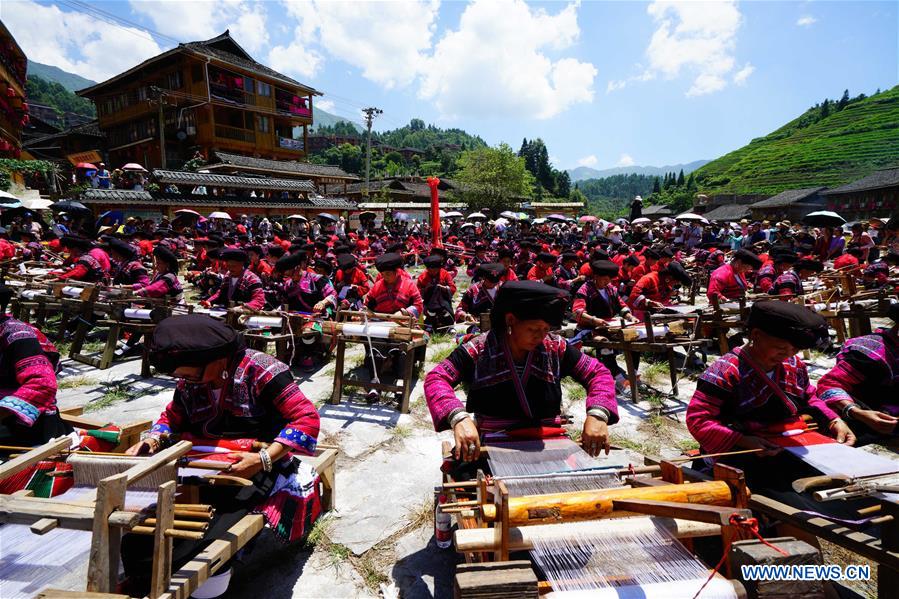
column 160, row 100
column 370, row 114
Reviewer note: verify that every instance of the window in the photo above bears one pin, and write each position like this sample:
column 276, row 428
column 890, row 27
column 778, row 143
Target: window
column 263, row 89
column 264, row 124
column 173, row 80
column 142, row 93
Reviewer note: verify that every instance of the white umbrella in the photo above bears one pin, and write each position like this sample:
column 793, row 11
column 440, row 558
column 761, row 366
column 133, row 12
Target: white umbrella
column 501, row 221
column 297, row 217
column 221, row 215
column 37, row 204
column 509, row 214
column 466, row 225
column 187, row 211
column 690, row 216
column 539, row 221
column 640, row 221
column 477, row 216
column 453, row 214
column 133, row 166
column 8, row 200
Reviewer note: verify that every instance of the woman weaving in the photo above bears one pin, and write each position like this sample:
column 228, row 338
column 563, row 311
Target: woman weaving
column 227, row 392
column 514, row 372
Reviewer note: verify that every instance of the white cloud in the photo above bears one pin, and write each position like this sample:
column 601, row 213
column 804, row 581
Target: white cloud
column 388, row 41
column 297, row 59
column 201, row 19
column 743, row 74
column 326, row 105
column 615, row 85
column 495, row 63
column 806, row 21
column 698, row 38
column 75, row 42
column 625, row 160
column 590, row 161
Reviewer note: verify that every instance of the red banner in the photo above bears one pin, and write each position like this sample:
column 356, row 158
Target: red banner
column 436, row 236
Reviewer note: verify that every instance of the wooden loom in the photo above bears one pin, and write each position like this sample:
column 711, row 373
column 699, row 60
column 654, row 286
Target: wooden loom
column 491, row 525
column 384, row 332
column 105, row 517
column 658, row 334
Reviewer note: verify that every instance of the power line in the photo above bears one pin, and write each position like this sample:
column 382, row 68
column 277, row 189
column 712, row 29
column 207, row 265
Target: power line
column 370, row 113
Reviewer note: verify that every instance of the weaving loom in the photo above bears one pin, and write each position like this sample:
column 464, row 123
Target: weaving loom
column 381, row 334
column 111, row 495
column 587, row 535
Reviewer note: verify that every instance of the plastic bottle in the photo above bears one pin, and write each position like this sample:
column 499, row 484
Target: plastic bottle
column 443, row 525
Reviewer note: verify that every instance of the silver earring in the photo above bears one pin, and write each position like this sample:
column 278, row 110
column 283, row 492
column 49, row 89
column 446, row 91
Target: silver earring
column 224, row 374
column 509, row 331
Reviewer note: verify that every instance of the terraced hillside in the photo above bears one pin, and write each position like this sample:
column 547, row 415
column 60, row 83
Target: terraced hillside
column 809, row 151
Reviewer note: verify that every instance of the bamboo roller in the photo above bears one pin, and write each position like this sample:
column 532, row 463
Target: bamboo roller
column 588, row 505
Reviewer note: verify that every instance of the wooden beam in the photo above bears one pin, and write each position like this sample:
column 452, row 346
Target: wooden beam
column 710, row 514
column 41, row 452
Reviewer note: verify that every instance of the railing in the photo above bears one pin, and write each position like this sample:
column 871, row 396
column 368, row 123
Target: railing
column 235, row 133
column 231, row 94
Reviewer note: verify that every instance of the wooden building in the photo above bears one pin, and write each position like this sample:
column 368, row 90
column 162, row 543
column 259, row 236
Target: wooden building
column 328, row 180
column 201, row 96
column 876, row 195
column 792, row 205
column 543, row 209
column 13, row 108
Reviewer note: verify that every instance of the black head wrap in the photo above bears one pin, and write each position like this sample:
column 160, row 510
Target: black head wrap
column 290, row 261
column 651, row 253
column 346, row 261
column 569, row 256
column 790, row 322
column 5, row 295
column 389, row 261
column 808, row 264
column 439, row 252
column 323, row 264
column 192, row 340
column 126, row 250
column 276, row 251
column 785, row 257
column 505, row 253
column 166, row 255
column 604, row 267
column 632, row 260
column 492, row 271
column 255, row 249
column 528, row 300
column 78, row 243
column 892, row 257
column 433, row 261
column 676, row 270
column 747, row 257
column 234, row 255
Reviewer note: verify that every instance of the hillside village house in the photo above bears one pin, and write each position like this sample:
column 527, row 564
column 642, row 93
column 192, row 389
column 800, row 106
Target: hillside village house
column 876, row 195
column 207, row 95
column 13, row 109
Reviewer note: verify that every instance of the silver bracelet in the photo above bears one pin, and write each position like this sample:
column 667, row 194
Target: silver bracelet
column 266, row 460
column 457, row 418
column 600, row 413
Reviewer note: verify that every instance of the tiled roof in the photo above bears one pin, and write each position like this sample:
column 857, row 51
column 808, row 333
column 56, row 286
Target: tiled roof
column 409, row 206
column 90, row 129
column 216, row 180
column 333, row 203
column 788, row 197
column 555, row 204
column 658, row 210
column 280, row 166
column 888, row 177
column 728, row 212
column 115, row 195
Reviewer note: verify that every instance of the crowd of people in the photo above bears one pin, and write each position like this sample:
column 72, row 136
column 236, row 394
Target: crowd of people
column 526, row 282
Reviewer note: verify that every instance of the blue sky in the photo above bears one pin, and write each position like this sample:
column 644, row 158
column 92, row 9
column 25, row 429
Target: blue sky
column 603, row 83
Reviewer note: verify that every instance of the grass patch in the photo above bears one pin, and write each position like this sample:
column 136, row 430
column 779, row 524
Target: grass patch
column 440, row 354
column 574, row 390
column 688, row 444
column 402, row 431
column 655, row 372
column 440, row 338
column 114, row 393
column 635, row 446
column 71, row 382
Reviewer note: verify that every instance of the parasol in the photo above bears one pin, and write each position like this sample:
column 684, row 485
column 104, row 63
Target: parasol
column 509, row 214
column 466, row 225
column 69, row 206
column 640, row 221
column 220, row 215
column 186, row 211
column 297, row 217
column 501, row 221
column 477, row 216
column 539, row 221
column 587, row 218
column 453, row 214
column 559, row 218
column 37, row 204
column 401, row 216
column 133, row 166
column 8, row 200
column 370, row 214
column 86, row 165
column 326, row 216
column 823, row 218
column 691, row 216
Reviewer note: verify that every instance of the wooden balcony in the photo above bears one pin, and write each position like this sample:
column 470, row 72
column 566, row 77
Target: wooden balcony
column 236, row 134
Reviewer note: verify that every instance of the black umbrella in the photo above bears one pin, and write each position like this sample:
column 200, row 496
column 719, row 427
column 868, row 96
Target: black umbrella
column 69, row 206
column 823, row 218
column 326, row 216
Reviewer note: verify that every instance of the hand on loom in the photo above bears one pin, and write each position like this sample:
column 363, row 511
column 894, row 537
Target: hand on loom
column 880, row 422
column 249, row 464
column 841, row 432
column 468, row 442
column 595, row 437
column 751, row 442
column 147, row 446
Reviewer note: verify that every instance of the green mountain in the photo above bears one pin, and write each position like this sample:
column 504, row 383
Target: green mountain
column 54, row 95
column 70, row 81
column 831, row 144
column 323, row 119
column 583, row 173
